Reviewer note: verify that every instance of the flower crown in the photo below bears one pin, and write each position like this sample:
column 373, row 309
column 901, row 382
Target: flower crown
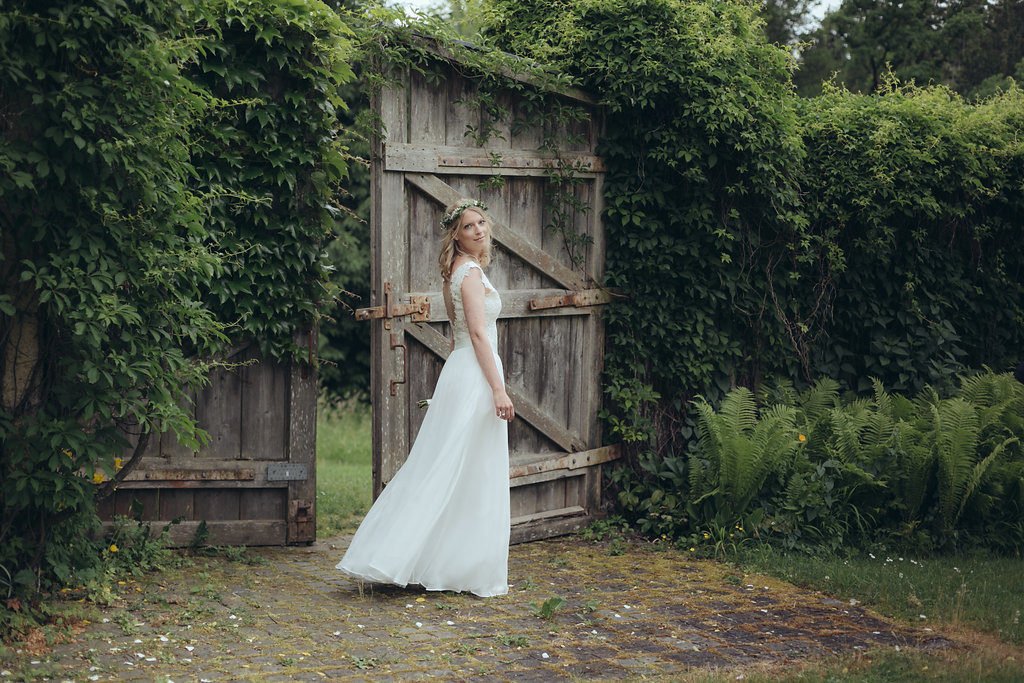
column 453, row 215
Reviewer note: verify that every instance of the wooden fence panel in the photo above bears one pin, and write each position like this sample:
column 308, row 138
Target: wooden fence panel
column 254, row 483
column 427, row 158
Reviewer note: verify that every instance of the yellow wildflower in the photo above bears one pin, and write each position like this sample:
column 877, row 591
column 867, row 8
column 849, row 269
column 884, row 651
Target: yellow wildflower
column 801, row 438
column 118, row 463
column 693, row 550
column 706, row 535
column 99, row 477
column 67, row 452
column 113, row 548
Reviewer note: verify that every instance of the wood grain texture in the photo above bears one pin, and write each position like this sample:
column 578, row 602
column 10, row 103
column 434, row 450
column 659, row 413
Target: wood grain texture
column 219, row 412
column 263, row 428
column 303, row 385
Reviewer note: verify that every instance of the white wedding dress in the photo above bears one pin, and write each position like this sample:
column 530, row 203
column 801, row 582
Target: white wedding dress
column 443, row 520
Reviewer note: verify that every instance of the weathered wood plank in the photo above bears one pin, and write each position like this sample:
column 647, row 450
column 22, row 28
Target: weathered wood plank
column 526, row 464
column 556, row 384
column 529, row 479
column 426, row 111
column 391, row 244
column 179, row 474
column 263, row 411
column 217, row 504
column 442, row 160
column 523, row 501
column 461, row 119
column 547, row 528
column 302, row 384
column 219, row 412
column 177, row 503
column 550, row 495
column 147, row 501
column 249, row 533
column 263, row 504
column 548, row 514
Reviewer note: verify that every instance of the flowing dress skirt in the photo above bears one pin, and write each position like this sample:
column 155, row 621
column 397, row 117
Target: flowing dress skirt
column 443, row 520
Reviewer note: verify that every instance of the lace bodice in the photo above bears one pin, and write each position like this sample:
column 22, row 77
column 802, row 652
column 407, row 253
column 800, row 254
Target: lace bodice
column 492, row 306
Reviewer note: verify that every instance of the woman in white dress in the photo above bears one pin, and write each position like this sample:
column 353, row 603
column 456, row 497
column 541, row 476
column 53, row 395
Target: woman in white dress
column 442, row 522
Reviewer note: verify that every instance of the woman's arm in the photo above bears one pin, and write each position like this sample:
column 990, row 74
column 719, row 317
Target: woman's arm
column 476, row 321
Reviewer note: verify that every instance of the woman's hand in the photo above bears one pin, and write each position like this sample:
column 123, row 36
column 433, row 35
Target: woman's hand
column 503, row 407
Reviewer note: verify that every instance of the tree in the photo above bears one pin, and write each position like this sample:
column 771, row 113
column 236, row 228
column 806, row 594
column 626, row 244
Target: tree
column 784, row 19
column 972, row 46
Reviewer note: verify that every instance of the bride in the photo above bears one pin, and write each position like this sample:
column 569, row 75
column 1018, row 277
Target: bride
column 443, row 520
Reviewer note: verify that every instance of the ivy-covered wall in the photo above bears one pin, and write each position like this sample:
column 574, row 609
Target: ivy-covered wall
column 760, row 235
column 168, row 172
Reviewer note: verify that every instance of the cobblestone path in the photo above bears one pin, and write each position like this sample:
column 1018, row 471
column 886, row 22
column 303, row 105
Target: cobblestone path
column 287, row 614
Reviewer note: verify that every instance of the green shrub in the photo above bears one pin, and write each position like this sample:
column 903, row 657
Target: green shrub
column 812, row 469
column 130, row 253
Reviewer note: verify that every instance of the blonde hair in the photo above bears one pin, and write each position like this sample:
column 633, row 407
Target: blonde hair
column 449, row 247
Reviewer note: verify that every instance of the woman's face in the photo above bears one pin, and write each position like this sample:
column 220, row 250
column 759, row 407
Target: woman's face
column 472, row 232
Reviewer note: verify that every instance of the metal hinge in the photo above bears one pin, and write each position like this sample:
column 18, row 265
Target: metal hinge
column 586, row 297
column 419, row 309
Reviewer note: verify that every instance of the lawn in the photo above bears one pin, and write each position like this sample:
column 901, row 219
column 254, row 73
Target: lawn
column 343, row 467
column 982, row 593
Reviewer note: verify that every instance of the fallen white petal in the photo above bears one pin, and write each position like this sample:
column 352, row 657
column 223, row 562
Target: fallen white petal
column 419, row 624
column 544, row 655
column 450, row 623
column 189, row 648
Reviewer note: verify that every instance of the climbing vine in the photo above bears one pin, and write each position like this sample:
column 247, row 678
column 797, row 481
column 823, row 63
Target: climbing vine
column 394, row 44
column 168, row 173
column 762, row 236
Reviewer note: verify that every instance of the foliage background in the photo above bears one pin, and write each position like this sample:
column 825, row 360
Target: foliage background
column 167, row 185
column 760, row 235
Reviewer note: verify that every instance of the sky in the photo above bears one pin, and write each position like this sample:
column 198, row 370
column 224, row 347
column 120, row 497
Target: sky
column 818, row 11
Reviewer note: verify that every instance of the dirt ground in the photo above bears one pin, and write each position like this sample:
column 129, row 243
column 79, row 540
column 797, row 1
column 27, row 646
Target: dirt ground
column 287, row 614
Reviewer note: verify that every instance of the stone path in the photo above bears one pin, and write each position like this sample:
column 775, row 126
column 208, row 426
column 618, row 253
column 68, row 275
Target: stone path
column 287, row 614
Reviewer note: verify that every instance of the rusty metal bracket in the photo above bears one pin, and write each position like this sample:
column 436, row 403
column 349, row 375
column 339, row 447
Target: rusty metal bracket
column 418, row 309
column 586, row 297
column 395, row 344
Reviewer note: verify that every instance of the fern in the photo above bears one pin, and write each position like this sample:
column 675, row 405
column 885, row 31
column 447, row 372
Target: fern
column 956, row 429
column 977, row 476
column 740, row 451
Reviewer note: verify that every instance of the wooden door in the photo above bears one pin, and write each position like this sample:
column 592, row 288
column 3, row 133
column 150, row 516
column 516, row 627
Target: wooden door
column 254, row 483
column 550, row 332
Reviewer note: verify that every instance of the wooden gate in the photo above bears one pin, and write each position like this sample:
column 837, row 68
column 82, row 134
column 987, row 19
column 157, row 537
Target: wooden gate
column 254, row 483
column 551, row 335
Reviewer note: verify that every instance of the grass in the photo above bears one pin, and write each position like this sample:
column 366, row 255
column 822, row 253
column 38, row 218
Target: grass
column 878, row 666
column 982, row 593
column 343, row 467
